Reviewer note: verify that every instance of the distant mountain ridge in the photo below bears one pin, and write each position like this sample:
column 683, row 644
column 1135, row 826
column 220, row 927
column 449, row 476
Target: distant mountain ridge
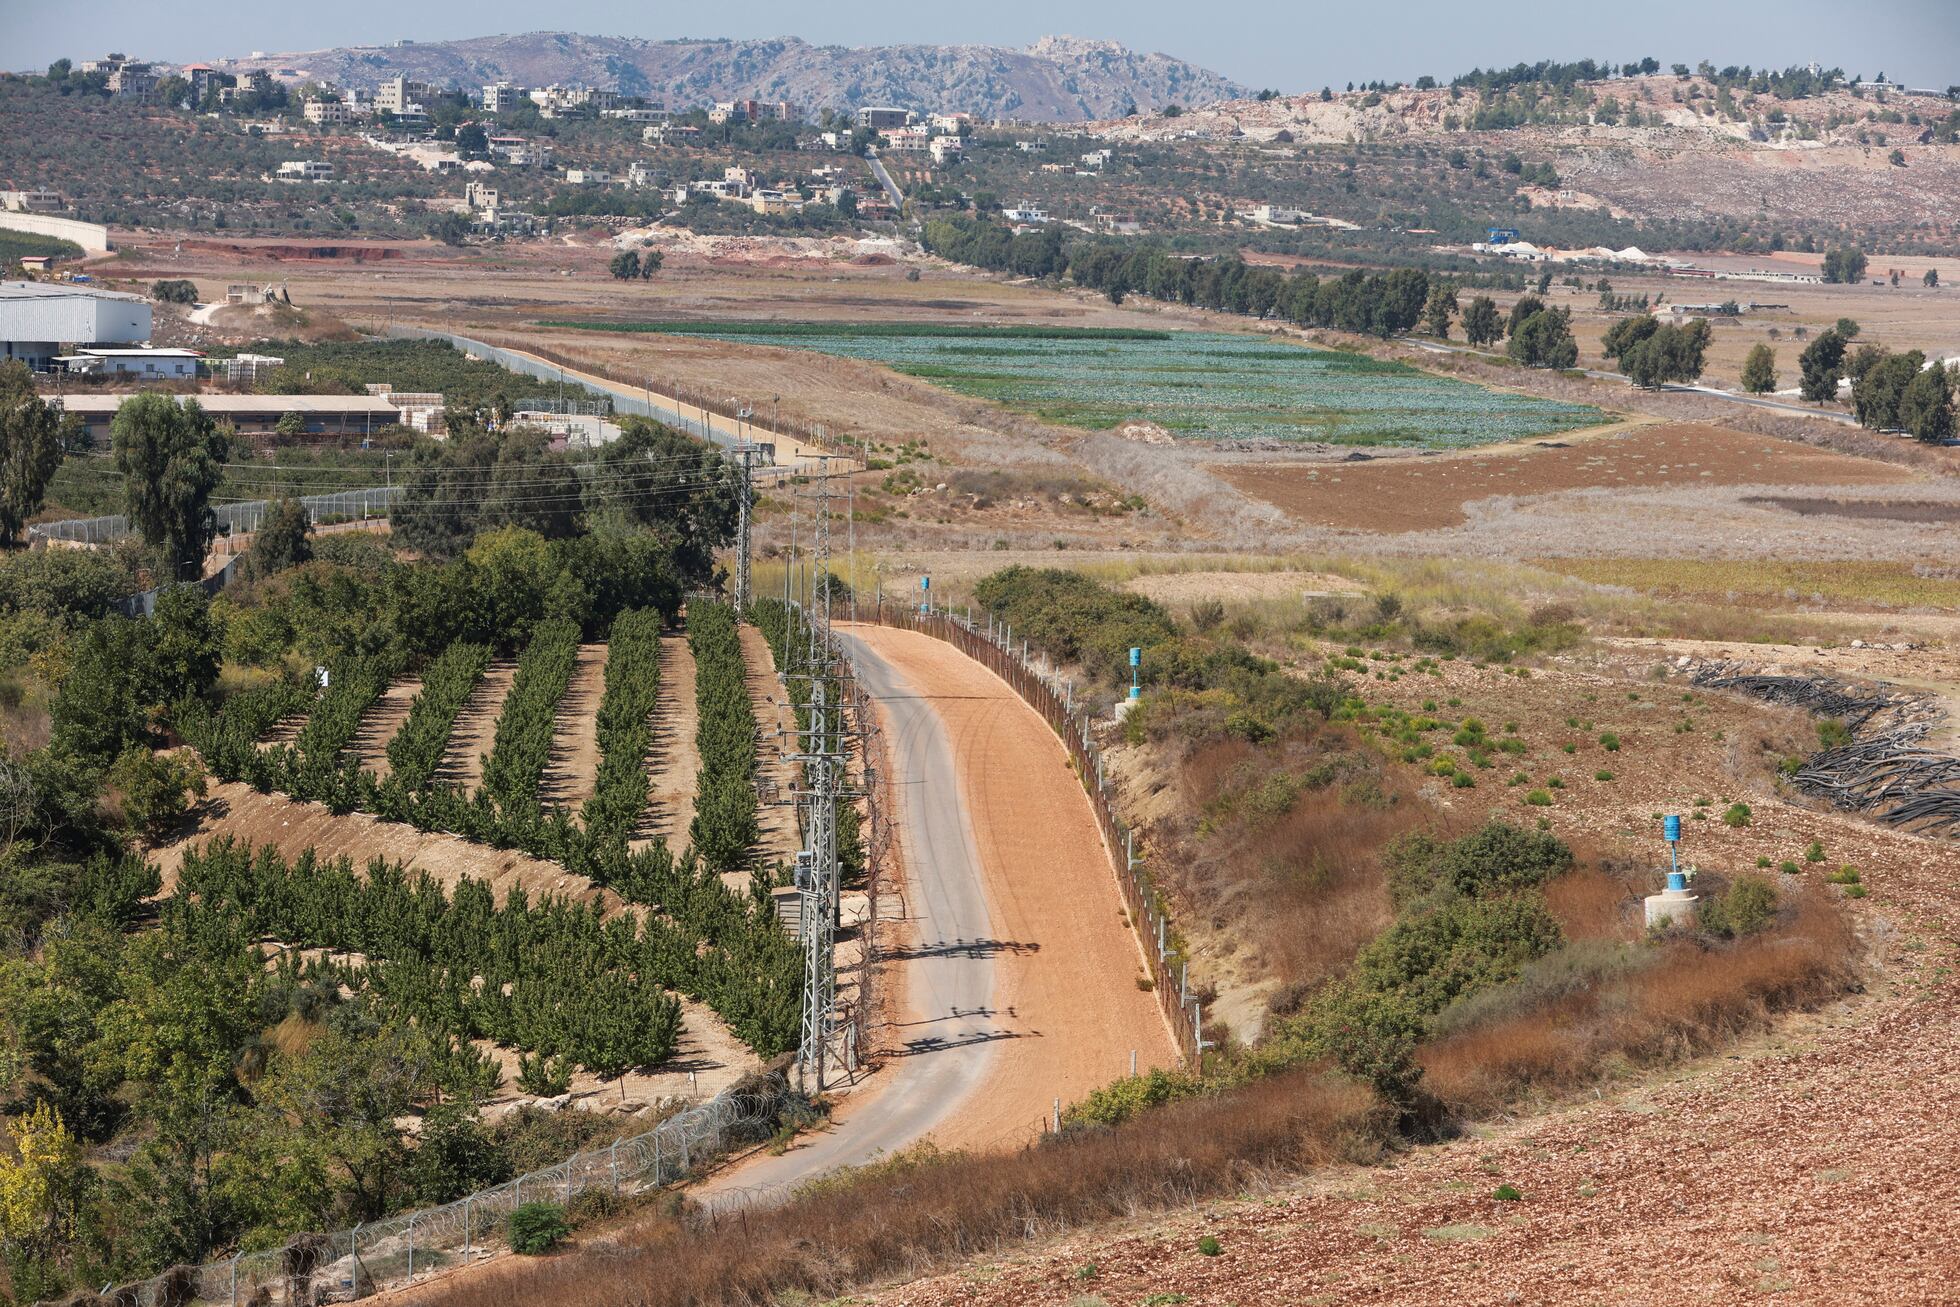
column 1057, row 79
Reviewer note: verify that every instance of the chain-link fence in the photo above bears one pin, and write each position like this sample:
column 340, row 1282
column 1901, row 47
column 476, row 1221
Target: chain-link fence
column 351, row 1264
column 321, row 510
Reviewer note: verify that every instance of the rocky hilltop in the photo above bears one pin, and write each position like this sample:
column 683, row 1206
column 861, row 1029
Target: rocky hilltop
column 1057, row 79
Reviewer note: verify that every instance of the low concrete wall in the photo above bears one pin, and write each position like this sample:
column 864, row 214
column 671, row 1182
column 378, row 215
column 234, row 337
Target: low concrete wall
column 89, row 235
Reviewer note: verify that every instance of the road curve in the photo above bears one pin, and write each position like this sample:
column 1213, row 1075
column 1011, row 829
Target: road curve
column 948, row 1033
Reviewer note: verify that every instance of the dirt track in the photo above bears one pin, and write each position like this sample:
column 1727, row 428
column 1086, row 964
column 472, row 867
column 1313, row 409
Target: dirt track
column 572, row 771
column 1017, row 973
column 675, row 758
column 1065, row 963
column 476, row 727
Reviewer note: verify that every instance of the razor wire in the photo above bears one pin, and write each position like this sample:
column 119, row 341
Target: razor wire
column 347, row 1265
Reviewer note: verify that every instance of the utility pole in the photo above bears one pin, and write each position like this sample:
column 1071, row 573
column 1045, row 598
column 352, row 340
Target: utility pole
column 742, row 596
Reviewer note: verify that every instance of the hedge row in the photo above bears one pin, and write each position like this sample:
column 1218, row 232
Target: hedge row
column 724, row 826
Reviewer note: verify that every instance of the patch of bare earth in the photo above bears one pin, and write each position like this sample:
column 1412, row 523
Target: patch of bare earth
column 572, row 770
column 674, row 757
column 1176, row 588
column 380, row 722
column 476, row 727
column 1402, row 494
column 778, row 838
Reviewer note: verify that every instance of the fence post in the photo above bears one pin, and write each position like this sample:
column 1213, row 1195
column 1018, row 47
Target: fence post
column 411, row 1247
column 354, row 1260
column 234, row 1278
column 1058, row 1116
column 615, row 1167
column 467, row 1234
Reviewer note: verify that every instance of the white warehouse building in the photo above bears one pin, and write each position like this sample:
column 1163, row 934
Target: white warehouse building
column 36, row 319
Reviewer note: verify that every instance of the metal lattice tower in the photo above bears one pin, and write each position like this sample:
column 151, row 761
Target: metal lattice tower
column 817, row 870
column 742, row 595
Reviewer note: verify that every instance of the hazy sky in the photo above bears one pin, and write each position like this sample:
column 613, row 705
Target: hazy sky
column 1293, row 45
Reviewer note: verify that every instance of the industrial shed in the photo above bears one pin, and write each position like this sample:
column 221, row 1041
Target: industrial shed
column 37, row 319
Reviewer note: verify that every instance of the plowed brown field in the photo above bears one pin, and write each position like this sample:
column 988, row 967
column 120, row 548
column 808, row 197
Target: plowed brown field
column 1419, row 494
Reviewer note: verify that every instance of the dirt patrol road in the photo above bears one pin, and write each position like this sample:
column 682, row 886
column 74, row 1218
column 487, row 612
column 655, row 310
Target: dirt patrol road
column 1019, row 974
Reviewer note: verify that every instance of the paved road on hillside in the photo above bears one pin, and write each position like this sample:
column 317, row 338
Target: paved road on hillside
column 896, row 196
column 949, row 1032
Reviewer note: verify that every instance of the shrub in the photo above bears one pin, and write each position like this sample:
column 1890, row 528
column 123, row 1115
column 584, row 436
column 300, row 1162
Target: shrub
column 1538, row 799
column 1747, row 907
column 156, row 789
column 1815, row 853
column 1738, row 815
column 537, row 1228
column 1609, row 742
column 1505, row 1193
column 1206, row 614
column 1843, row 876
column 1602, row 775
column 1789, row 867
column 546, row 1077
column 1209, row 1246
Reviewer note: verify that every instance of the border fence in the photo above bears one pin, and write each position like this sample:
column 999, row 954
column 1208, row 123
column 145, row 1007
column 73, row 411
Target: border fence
column 993, row 647
column 351, row 1264
column 335, row 506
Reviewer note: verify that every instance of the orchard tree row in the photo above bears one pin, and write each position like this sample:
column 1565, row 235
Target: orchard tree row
column 724, row 827
column 625, row 731
column 555, row 978
column 514, row 767
column 416, row 751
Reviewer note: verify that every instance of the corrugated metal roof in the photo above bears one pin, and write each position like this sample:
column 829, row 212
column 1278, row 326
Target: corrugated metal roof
column 22, row 290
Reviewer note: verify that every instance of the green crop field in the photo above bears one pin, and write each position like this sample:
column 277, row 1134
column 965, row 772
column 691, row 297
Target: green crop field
column 1196, row 385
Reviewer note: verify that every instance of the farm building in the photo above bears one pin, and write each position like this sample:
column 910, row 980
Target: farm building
column 36, row 320
column 153, row 364
column 321, row 414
